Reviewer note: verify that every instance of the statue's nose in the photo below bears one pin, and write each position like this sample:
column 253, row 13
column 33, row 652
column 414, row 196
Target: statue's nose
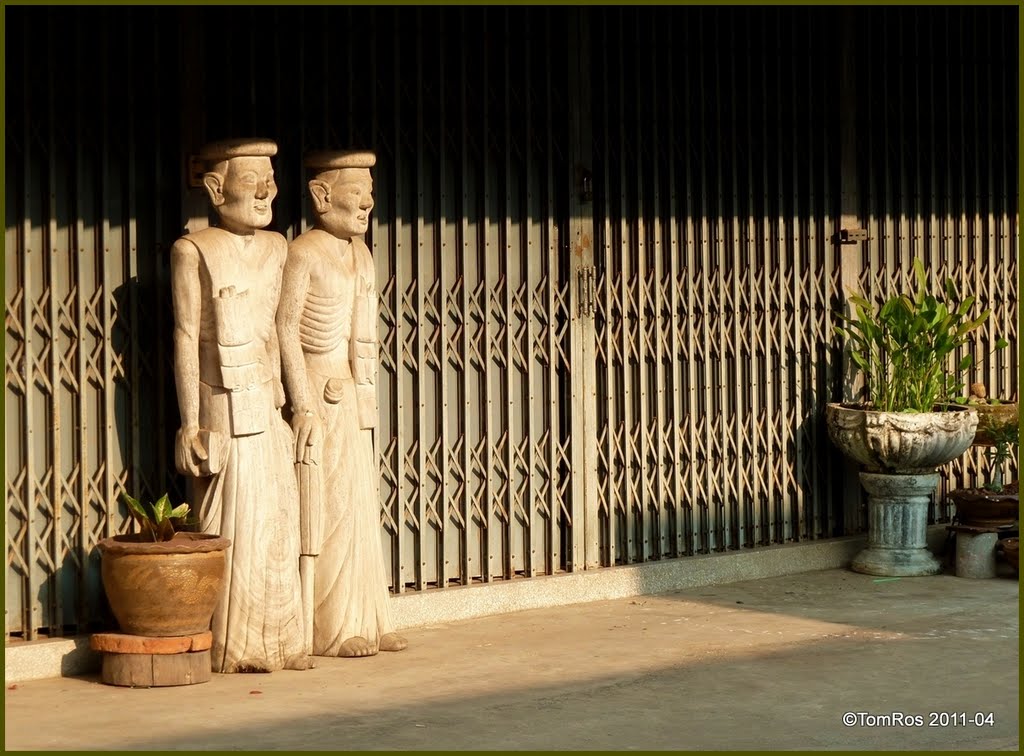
column 262, row 190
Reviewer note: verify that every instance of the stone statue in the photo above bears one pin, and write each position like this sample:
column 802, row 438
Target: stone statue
column 327, row 327
column 233, row 441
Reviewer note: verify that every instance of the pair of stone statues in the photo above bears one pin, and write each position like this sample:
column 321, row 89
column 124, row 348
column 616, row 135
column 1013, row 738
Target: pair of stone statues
column 260, row 324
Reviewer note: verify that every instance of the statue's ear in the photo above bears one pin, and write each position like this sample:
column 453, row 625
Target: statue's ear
column 320, row 191
column 214, row 183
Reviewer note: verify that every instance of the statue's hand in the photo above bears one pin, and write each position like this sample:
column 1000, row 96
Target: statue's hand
column 279, row 398
column 306, row 428
column 189, row 453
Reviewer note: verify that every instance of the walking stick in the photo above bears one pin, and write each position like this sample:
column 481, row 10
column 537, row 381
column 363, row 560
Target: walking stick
column 311, row 527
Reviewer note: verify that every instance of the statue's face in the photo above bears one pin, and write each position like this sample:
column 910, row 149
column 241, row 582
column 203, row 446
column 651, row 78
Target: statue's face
column 247, row 190
column 351, row 199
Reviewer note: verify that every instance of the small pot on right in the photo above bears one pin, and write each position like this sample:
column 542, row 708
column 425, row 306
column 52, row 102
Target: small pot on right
column 995, row 416
column 983, row 508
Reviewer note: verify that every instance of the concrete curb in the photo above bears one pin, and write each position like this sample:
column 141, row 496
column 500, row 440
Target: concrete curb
column 461, row 603
column 68, row 657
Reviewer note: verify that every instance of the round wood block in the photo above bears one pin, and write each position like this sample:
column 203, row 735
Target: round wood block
column 156, row 670
column 122, row 643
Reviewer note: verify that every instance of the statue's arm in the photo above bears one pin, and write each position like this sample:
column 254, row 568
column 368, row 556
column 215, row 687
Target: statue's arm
column 186, row 297
column 294, row 286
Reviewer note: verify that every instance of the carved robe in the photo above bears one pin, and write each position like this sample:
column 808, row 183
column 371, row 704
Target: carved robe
column 337, row 330
column 251, row 497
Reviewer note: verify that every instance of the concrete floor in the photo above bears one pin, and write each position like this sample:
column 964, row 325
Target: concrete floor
column 763, row 664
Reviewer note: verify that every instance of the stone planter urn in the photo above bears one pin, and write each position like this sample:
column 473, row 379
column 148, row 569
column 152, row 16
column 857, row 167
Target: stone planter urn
column 163, row 588
column 900, row 452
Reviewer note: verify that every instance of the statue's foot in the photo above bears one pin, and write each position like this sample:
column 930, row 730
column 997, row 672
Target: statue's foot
column 393, row 642
column 357, row 646
column 251, row 665
column 299, row 661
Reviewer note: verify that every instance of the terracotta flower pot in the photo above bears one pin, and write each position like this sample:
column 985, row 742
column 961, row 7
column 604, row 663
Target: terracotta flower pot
column 167, row 588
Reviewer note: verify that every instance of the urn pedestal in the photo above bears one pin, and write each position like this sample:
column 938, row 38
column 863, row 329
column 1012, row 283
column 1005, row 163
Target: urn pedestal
column 900, row 452
column 897, row 526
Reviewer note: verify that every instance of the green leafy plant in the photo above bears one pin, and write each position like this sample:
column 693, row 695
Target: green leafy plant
column 903, row 347
column 1004, row 437
column 158, row 520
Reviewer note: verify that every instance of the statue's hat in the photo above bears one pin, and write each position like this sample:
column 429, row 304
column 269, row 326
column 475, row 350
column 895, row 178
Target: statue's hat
column 330, row 160
column 232, row 148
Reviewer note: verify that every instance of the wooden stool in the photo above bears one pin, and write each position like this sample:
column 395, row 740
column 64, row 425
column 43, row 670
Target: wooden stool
column 142, row 661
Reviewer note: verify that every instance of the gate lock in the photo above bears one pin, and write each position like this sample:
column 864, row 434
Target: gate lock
column 585, row 304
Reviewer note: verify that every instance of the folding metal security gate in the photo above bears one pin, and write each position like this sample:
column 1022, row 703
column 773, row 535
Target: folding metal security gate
column 607, row 252
column 477, row 440
column 716, row 276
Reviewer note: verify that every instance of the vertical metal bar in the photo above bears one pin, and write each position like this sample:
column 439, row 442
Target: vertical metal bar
column 109, row 440
column 420, row 252
column 641, row 287
column 825, row 240
column 50, row 277
column 488, row 361
column 31, row 608
column 693, row 410
column 812, row 399
column 670, row 405
column 382, row 263
column 505, row 254
column 581, row 374
column 83, row 420
column 982, row 217
column 527, row 249
column 904, row 249
column 585, row 158
column 634, row 543
column 467, row 459
column 769, row 247
column 401, row 279
column 933, row 116
column 554, row 503
column 991, row 257
column 778, row 248
column 443, row 289
column 325, row 124
column 708, row 535
column 799, row 322
column 757, row 490
column 351, row 67
column 1007, row 370
column 610, row 273
column 130, row 219
column 718, row 250
column 300, row 85
column 737, row 529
